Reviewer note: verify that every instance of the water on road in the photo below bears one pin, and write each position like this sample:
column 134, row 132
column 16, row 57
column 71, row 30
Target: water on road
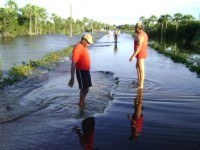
column 169, row 104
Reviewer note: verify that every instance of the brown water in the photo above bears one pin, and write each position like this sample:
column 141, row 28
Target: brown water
column 169, row 105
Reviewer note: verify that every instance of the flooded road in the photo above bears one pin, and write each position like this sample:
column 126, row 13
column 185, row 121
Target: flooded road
column 168, row 105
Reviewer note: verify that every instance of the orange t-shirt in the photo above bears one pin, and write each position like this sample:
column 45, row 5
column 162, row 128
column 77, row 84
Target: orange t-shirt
column 81, row 57
column 143, row 51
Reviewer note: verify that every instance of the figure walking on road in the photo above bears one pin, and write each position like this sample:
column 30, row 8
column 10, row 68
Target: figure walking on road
column 140, row 52
column 81, row 63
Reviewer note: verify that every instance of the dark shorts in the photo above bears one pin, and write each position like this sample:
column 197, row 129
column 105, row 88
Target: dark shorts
column 84, row 79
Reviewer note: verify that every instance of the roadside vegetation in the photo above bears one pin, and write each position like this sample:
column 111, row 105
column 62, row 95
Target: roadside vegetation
column 25, row 70
column 193, row 63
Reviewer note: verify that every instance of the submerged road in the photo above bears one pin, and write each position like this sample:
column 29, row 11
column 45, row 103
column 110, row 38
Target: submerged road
column 45, row 109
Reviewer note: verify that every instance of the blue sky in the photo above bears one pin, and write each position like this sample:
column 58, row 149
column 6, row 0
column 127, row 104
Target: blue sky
column 113, row 11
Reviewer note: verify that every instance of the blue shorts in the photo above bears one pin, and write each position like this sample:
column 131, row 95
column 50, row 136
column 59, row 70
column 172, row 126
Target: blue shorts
column 83, row 78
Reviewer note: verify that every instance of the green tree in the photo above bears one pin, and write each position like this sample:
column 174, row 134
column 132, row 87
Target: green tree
column 58, row 23
column 152, row 20
column 42, row 18
column 28, row 11
column 86, row 22
column 8, row 18
column 142, row 18
column 177, row 18
column 161, row 21
column 187, row 18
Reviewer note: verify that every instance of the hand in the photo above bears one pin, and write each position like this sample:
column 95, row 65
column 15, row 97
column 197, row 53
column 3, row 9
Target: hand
column 71, row 82
column 131, row 59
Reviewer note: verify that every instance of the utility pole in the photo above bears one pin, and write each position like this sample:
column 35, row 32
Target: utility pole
column 70, row 20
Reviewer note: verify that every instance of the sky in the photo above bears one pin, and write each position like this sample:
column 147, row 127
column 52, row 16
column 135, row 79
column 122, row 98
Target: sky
column 114, row 12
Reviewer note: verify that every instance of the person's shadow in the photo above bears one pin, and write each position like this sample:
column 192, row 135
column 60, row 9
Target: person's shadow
column 137, row 116
column 86, row 133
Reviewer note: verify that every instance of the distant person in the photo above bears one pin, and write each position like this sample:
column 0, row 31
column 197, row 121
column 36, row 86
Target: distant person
column 137, row 117
column 81, row 63
column 116, row 35
column 140, row 52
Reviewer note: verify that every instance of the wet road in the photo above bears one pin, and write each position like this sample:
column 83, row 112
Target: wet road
column 170, row 105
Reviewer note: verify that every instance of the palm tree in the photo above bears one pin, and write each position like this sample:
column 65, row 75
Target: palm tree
column 177, row 18
column 142, row 18
column 167, row 18
column 152, row 19
column 36, row 17
column 187, row 18
column 53, row 17
column 164, row 19
column 42, row 16
column 161, row 21
column 28, row 11
column 13, row 5
column 86, row 22
column 91, row 25
column 57, row 22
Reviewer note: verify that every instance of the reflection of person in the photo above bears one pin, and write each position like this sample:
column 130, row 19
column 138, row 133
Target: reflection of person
column 140, row 52
column 115, row 47
column 116, row 35
column 81, row 63
column 137, row 117
column 86, row 137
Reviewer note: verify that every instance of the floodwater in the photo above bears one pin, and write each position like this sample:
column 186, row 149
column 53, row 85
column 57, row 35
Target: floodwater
column 45, row 110
column 14, row 51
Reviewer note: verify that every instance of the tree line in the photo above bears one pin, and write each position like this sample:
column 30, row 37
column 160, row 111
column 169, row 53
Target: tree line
column 34, row 20
column 179, row 27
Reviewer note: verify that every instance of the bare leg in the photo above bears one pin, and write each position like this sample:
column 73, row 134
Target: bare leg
column 83, row 93
column 138, row 72
column 141, row 67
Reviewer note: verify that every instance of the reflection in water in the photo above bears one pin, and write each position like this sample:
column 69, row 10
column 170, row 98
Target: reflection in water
column 137, row 117
column 115, row 47
column 1, row 70
column 81, row 112
column 86, row 134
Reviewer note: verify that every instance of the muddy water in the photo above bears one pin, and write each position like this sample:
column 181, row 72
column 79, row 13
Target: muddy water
column 169, row 105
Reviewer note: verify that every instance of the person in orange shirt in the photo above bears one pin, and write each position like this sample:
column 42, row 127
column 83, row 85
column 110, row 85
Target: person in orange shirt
column 81, row 63
column 140, row 52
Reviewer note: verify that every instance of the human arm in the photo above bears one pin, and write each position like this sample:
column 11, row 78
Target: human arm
column 71, row 81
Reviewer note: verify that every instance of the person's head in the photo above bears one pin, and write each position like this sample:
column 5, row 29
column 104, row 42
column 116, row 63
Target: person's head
column 138, row 26
column 87, row 39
